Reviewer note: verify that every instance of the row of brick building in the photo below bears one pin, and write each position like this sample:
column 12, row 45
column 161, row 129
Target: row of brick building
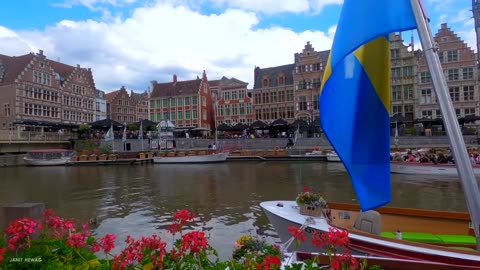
column 38, row 92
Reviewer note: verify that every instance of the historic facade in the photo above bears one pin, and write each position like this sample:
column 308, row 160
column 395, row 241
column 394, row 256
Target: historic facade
column 36, row 92
column 233, row 103
column 460, row 70
column 100, row 105
column 308, row 75
column 403, row 76
column 185, row 103
column 273, row 93
column 121, row 107
column 141, row 103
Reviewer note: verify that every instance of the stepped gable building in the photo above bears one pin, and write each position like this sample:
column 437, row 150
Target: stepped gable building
column 403, row 77
column 38, row 93
column 121, row 107
column 141, row 103
column 234, row 105
column 273, row 93
column 186, row 103
column 308, row 75
column 459, row 64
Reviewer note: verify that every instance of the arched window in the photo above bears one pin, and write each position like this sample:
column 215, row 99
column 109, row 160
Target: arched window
column 265, row 82
column 281, row 80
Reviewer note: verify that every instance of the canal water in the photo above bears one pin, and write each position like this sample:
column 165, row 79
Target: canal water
column 140, row 200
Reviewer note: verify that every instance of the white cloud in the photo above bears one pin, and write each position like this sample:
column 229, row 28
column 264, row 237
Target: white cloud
column 93, row 4
column 266, row 6
column 157, row 41
column 319, row 5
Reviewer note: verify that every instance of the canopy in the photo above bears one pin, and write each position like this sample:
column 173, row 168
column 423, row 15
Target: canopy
column 145, row 123
column 105, row 124
column 259, row 125
column 45, row 123
column 224, row 127
column 165, row 124
column 468, row 119
column 240, row 127
column 279, row 122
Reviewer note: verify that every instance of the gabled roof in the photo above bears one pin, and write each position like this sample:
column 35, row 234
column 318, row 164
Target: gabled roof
column 12, row 66
column 272, row 74
column 180, row 88
column 62, row 69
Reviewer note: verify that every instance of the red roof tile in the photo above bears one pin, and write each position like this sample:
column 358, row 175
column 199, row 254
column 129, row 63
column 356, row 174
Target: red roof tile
column 12, row 67
column 180, row 88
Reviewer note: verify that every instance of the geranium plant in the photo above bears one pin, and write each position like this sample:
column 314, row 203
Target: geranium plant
column 309, row 197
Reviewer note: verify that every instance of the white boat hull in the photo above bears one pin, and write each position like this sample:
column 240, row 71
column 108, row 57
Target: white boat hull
column 282, row 214
column 46, row 162
column 427, row 168
column 333, row 158
column 212, row 158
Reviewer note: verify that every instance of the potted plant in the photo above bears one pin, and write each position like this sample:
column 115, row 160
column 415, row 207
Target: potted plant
column 141, row 155
column 103, row 157
column 112, row 157
column 310, row 203
column 92, row 157
column 83, row 157
column 150, row 155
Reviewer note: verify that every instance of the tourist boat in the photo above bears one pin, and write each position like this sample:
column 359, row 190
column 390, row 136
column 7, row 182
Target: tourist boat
column 190, row 157
column 427, row 168
column 333, row 157
column 48, row 157
column 428, row 236
column 168, row 153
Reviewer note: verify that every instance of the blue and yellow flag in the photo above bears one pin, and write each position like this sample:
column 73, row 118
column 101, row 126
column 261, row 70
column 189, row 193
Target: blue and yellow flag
column 355, row 99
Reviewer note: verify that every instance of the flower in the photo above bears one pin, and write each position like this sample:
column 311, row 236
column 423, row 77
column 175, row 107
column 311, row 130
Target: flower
column 311, row 198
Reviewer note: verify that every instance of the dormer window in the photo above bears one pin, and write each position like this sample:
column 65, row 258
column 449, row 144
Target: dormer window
column 265, row 82
column 281, row 80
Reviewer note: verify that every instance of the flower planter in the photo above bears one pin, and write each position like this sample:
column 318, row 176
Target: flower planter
column 171, row 154
column 92, row 157
column 246, row 153
column 141, row 155
column 149, row 155
column 260, row 153
column 270, row 153
column 112, row 157
column 202, row 153
column 103, row 157
column 83, row 158
column 310, row 210
column 281, row 153
column 74, row 158
column 180, row 154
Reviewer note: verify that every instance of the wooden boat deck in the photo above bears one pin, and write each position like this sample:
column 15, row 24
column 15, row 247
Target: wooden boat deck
column 127, row 161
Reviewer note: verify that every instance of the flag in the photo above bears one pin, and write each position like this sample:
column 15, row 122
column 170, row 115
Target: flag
column 109, row 135
column 140, row 134
column 355, row 98
column 124, row 136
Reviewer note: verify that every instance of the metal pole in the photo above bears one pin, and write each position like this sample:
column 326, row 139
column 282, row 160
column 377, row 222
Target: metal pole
column 459, row 149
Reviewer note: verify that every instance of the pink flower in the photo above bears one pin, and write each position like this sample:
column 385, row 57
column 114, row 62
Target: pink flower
column 108, row 242
column 2, row 251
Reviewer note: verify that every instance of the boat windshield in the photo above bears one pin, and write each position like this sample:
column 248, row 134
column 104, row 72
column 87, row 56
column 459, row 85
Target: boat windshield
column 47, row 155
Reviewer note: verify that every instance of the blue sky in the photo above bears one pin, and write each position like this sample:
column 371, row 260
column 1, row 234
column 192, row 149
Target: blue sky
column 132, row 42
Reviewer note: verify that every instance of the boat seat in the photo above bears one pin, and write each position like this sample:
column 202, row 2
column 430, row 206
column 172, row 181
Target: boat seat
column 369, row 221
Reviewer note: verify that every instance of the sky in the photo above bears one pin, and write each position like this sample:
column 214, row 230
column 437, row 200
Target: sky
column 133, row 42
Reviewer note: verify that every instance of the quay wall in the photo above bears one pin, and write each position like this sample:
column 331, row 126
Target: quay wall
column 302, row 145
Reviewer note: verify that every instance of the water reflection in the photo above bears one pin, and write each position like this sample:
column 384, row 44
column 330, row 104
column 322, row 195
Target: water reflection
column 140, row 200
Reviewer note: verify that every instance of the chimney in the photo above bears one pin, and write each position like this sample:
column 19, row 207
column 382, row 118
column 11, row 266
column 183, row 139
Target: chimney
column 78, row 66
column 174, row 79
column 444, row 26
column 40, row 52
column 204, row 75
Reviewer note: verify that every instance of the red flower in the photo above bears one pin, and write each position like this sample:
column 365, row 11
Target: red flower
column 108, row 242
column 306, row 188
column 195, row 241
column 77, row 240
column 270, row 262
column 183, row 216
column 298, row 233
column 2, row 251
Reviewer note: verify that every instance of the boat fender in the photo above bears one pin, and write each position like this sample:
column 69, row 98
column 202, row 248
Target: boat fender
column 317, row 148
column 277, row 148
column 399, row 234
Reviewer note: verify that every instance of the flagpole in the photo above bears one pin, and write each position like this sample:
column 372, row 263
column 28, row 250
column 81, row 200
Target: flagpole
column 464, row 167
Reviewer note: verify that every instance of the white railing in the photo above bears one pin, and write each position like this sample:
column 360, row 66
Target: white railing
column 32, row 136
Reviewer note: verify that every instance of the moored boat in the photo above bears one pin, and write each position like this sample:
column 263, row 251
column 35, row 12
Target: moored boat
column 427, row 168
column 193, row 157
column 333, row 157
column 430, row 236
column 48, row 157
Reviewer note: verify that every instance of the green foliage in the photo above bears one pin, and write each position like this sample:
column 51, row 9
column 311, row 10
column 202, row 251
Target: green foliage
column 132, row 127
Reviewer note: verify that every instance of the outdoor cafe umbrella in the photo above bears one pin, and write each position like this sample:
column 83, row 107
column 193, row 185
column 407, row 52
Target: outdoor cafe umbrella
column 279, row 123
column 224, row 127
column 105, row 124
column 468, row 119
column 240, row 127
column 259, row 124
column 148, row 124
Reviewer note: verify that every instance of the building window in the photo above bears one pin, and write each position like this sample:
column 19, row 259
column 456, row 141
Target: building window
column 458, row 112
column 7, row 109
column 315, row 102
column 273, row 96
column 180, row 115
column 187, row 101
column 452, row 56
column 397, row 109
column 273, row 112
column 396, row 72
column 290, row 95
column 265, row 82
column 227, row 109
column 454, row 93
column 396, row 92
column 173, row 116
column 468, row 93
column 290, row 112
column 187, row 115
column 468, row 73
column 280, row 81
column 426, row 96
column 234, row 95
column 302, row 103
column 408, row 71
column 469, row 111
column 408, row 92
column 204, row 114
column 266, row 113
column 408, row 109
column 281, row 112
column 281, row 96
column 258, row 114
column 242, row 108
column 453, row 74
column 395, row 53
column 180, row 101
column 226, row 96
column 194, row 101
column 425, row 77
column 427, row 114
